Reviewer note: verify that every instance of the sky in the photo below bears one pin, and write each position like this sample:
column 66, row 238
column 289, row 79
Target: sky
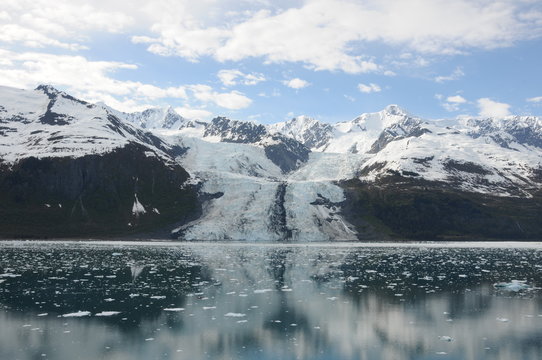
column 268, row 61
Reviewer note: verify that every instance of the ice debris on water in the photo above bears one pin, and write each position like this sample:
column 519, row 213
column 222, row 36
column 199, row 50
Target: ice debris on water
column 262, row 291
column 77, row 314
column 107, row 313
column 446, row 338
column 231, row 314
column 514, row 285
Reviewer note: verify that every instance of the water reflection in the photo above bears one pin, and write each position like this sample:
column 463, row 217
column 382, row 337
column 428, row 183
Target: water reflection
column 267, row 302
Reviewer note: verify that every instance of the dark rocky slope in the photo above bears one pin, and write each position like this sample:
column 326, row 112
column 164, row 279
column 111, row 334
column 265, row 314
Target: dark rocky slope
column 93, row 195
column 405, row 208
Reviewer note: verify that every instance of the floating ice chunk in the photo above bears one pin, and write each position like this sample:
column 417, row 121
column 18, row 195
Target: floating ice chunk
column 261, row 291
column 77, row 314
column 149, row 339
column 231, row 314
column 209, row 307
column 107, row 313
column 514, row 285
column 158, row 297
column 44, row 314
column 446, row 338
column 501, row 319
column 241, row 321
column 174, row 309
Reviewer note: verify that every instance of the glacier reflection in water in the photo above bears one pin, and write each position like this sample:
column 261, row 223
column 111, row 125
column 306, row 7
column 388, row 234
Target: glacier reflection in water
column 217, row 301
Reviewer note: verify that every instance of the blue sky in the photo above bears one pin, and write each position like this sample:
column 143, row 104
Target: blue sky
column 268, row 61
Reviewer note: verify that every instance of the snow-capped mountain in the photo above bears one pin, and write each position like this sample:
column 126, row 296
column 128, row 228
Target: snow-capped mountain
column 508, row 131
column 308, row 131
column 46, row 123
column 356, row 136
column 387, row 172
column 154, row 118
column 68, row 168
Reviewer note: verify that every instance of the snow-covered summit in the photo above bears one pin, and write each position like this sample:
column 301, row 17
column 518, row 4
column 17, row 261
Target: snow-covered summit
column 508, row 131
column 155, row 118
column 308, row 131
column 46, row 122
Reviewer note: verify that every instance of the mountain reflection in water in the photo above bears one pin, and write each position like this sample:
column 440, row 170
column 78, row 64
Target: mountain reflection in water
column 194, row 301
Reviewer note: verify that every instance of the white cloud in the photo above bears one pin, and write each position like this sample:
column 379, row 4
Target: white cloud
column 93, row 81
column 233, row 77
column 490, row 108
column 321, row 34
column 12, row 33
column 535, row 99
column 296, row 83
column 456, row 99
column 421, row 26
column 455, row 75
column 369, row 88
column 349, row 98
column 62, row 23
column 451, row 103
column 194, row 114
column 4, row 16
column 232, row 100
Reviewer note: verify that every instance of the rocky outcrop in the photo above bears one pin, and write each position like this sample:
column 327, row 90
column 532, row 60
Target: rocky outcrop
column 406, row 208
column 127, row 191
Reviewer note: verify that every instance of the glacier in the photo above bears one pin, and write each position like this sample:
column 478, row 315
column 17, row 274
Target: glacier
column 256, row 201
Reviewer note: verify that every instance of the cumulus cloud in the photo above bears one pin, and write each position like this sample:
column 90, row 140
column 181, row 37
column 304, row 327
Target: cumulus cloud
column 193, row 113
column 62, row 23
column 296, row 83
column 535, row 99
column 321, row 34
column 451, row 103
column 13, row 33
column 490, row 108
column 455, row 75
column 234, row 77
column 456, row 99
column 364, row 88
column 423, row 26
column 232, row 100
column 94, row 81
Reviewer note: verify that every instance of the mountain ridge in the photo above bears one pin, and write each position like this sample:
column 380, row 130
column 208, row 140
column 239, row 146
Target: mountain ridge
column 299, row 180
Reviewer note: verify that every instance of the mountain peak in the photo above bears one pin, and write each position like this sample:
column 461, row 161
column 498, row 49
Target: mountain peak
column 394, row 109
column 48, row 90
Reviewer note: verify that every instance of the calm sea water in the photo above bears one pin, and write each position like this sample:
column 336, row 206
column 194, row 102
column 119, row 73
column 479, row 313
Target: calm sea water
column 240, row 301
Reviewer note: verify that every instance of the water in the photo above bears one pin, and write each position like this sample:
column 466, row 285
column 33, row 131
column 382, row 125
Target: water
column 223, row 301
